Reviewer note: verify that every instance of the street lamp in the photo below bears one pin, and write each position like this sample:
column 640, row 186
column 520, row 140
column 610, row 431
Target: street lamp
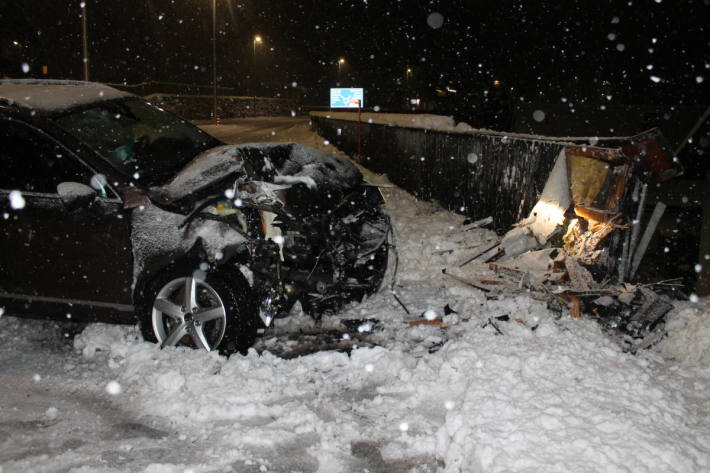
column 341, row 61
column 84, row 41
column 214, row 59
column 257, row 39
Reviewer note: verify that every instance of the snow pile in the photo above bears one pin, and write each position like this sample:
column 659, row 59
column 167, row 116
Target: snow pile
column 561, row 397
column 512, row 387
column 688, row 337
column 430, row 122
column 52, row 95
column 509, row 386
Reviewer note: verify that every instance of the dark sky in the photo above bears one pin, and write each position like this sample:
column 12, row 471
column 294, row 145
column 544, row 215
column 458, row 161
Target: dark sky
column 651, row 51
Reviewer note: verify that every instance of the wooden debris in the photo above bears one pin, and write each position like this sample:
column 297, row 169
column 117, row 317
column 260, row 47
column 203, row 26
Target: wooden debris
column 480, row 253
column 466, row 281
column 505, row 271
column 584, row 238
column 641, row 189
column 497, row 253
column 648, row 313
column 492, row 324
column 478, row 223
column 579, row 277
column 522, row 322
column 400, row 302
column 437, row 322
column 492, row 282
column 575, row 309
column 646, row 238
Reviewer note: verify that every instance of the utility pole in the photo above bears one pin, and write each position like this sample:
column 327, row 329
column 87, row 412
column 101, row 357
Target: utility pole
column 214, row 59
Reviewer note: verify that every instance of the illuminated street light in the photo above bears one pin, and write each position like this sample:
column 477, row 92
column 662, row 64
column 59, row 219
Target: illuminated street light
column 257, row 39
column 341, row 61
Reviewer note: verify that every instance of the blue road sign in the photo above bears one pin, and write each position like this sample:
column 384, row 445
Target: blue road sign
column 347, row 98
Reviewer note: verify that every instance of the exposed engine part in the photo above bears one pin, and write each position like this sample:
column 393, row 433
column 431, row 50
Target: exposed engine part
column 323, row 259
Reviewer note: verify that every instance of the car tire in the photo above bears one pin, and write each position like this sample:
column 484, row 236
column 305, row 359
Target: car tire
column 210, row 311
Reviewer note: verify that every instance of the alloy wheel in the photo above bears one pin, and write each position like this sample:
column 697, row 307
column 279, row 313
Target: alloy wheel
column 190, row 312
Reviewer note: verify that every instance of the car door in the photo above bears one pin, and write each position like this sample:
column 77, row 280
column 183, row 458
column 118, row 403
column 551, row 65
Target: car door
column 48, row 251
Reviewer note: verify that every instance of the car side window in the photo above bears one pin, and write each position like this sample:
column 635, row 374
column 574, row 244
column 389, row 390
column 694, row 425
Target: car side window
column 33, row 162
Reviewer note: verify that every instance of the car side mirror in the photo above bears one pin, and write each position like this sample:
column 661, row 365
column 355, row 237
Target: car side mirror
column 75, row 195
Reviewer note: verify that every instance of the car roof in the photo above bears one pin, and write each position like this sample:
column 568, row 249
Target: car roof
column 55, row 95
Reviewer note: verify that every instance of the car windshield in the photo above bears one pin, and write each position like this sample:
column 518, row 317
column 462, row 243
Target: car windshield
column 142, row 141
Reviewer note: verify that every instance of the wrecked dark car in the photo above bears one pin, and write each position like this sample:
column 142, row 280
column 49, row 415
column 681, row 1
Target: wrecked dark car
column 116, row 210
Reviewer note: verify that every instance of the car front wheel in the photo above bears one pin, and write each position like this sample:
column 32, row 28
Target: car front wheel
column 208, row 312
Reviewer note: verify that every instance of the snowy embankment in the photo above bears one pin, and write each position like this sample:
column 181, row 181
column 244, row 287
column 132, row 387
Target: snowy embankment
column 508, row 386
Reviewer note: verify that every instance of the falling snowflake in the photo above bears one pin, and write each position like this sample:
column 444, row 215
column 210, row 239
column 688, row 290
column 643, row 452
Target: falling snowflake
column 435, row 20
column 113, row 388
column 430, row 315
column 17, row 202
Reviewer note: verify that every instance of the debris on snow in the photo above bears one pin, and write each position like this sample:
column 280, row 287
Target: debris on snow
column 580, row 243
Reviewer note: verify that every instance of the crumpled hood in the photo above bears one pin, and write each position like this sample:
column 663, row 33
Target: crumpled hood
column 283, row 164
column 207, row 167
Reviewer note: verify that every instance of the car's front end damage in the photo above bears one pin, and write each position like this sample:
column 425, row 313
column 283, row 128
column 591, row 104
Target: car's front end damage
column 301, row 224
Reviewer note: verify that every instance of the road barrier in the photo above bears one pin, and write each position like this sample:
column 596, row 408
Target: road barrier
column 477, row 174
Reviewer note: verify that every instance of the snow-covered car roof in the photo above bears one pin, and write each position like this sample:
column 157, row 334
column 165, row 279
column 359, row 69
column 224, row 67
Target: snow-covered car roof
column 55, row 95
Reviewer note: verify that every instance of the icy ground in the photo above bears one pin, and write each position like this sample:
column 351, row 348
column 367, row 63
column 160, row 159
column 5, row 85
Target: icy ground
column 473, row 397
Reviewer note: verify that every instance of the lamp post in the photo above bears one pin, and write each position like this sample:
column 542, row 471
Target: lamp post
column 341, row 61
column 257, row 40
column 84, row 40
column 214, row 59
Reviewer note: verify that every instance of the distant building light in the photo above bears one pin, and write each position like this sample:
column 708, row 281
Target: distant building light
column 415, row 101
column 496, row 82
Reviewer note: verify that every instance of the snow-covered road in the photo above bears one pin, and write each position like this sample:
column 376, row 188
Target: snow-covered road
column 537, row 392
